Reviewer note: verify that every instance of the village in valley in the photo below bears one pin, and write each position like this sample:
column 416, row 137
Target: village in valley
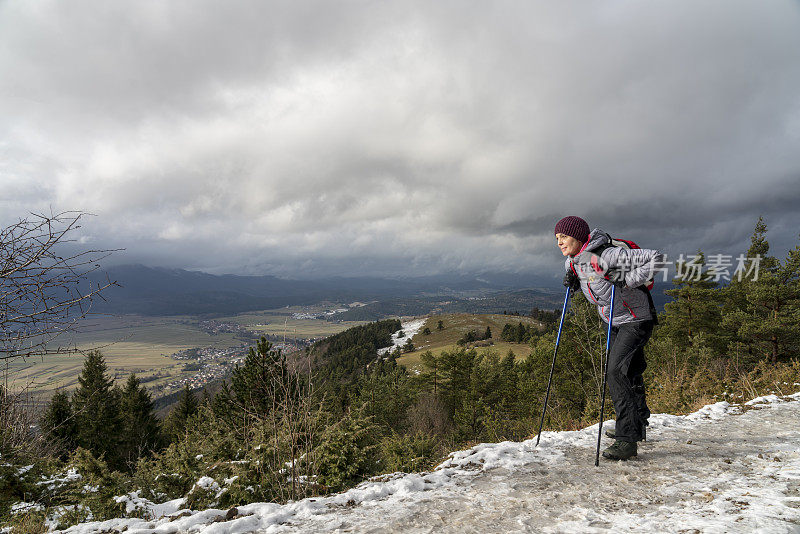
column 209, row 364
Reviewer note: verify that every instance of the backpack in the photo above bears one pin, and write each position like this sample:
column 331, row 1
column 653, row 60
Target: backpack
column 628, row 244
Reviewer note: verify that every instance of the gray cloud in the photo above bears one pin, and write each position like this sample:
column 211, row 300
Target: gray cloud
column 400, row 138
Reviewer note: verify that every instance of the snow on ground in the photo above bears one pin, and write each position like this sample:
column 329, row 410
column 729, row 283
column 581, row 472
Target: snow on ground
column 409, row 329
column 725, row 468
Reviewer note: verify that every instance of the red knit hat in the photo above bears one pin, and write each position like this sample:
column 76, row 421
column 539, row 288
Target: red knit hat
column 573, row 226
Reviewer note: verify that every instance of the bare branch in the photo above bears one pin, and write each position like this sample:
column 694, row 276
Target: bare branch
column 45, row 288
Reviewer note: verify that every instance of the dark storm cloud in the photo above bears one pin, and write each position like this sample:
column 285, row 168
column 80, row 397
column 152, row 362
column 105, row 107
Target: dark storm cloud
column 412, row 137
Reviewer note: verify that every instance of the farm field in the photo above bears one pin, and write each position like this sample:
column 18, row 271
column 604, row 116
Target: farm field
column 143, row 345
column 130, row 344
column 281, row 321
column 456, row 325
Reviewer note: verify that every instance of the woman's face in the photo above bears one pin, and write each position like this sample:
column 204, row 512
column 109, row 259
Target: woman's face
column 569, row 245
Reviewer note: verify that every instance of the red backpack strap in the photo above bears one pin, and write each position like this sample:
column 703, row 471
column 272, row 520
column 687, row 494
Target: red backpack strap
column 628, row 242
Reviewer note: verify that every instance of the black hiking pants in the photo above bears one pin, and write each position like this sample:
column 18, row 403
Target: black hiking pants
column 626, row 363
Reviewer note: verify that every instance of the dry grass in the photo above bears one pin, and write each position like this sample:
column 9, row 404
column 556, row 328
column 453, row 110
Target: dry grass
column 456, row 325
column 29, row 523
column 280, row 322
column 683, row 386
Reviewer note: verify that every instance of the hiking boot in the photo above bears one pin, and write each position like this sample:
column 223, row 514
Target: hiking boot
column 620, row 450
column 612, row 432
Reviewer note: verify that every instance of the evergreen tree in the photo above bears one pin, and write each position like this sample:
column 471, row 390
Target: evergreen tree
column 488, row 333
column 455, row 369
column 521, row 333
column 348, row 452
column 508, row 333
column 180, row 415
column 734, row 311
column 439, row 325
column 431, row 374
column 495, row 390
column 58, row 423
column 790, row 279
column 770, row 322
column 696, row 307
column 385, row 395
column 262, row 382
column 95, row 405
column 759, row 308
column 141, row 431
column 518, row 333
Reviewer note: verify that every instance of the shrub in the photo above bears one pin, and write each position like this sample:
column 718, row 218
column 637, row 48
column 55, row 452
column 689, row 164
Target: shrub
column 408, row 453
column 348, row 452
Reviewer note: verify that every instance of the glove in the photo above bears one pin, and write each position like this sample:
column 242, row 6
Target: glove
column 572, row 281
column 616, row 277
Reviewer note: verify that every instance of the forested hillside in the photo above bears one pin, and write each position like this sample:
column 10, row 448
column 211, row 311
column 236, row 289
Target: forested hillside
column 328, row 418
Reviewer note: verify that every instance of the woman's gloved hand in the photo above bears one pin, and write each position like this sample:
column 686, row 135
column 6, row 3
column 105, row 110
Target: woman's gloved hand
column 616, row 277
column 572, row 281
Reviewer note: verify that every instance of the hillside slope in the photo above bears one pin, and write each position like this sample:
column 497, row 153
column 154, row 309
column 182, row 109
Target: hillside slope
column 456, row 325
column 725, row 468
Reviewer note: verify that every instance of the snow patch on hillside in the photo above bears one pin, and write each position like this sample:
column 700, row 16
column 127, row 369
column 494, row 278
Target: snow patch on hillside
column 409, row 329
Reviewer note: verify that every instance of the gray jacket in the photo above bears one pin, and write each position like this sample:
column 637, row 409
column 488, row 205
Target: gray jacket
column 630, row 304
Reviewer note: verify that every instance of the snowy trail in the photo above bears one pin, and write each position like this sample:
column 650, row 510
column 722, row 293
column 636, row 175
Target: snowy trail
column 740, row 473
column 722, row 469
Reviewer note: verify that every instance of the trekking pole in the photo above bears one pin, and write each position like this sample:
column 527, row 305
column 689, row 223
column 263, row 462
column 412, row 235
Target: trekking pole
column 552, row 367
column 605, row 378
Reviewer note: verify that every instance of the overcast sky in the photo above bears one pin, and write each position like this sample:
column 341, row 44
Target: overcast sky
column 307, row 138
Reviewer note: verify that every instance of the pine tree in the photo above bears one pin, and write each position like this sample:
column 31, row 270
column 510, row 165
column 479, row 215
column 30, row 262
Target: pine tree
column 790, row 279
column 384, row 395
column 348, row 452
column 431, row 373
column 734, row 310
column 180, row 415
column 263, row 385
column 95, row 405
column 696, row 305
column 521, row 333
column 141, row 431
column 455, row 371
column 759, row 309
column 58, row 423
column 770, row 321
column 508, row 333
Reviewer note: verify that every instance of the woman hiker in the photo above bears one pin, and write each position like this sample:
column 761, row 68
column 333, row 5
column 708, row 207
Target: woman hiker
column 594, row 264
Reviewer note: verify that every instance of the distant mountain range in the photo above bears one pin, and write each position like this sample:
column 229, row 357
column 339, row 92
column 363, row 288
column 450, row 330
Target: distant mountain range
column 160, row 291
